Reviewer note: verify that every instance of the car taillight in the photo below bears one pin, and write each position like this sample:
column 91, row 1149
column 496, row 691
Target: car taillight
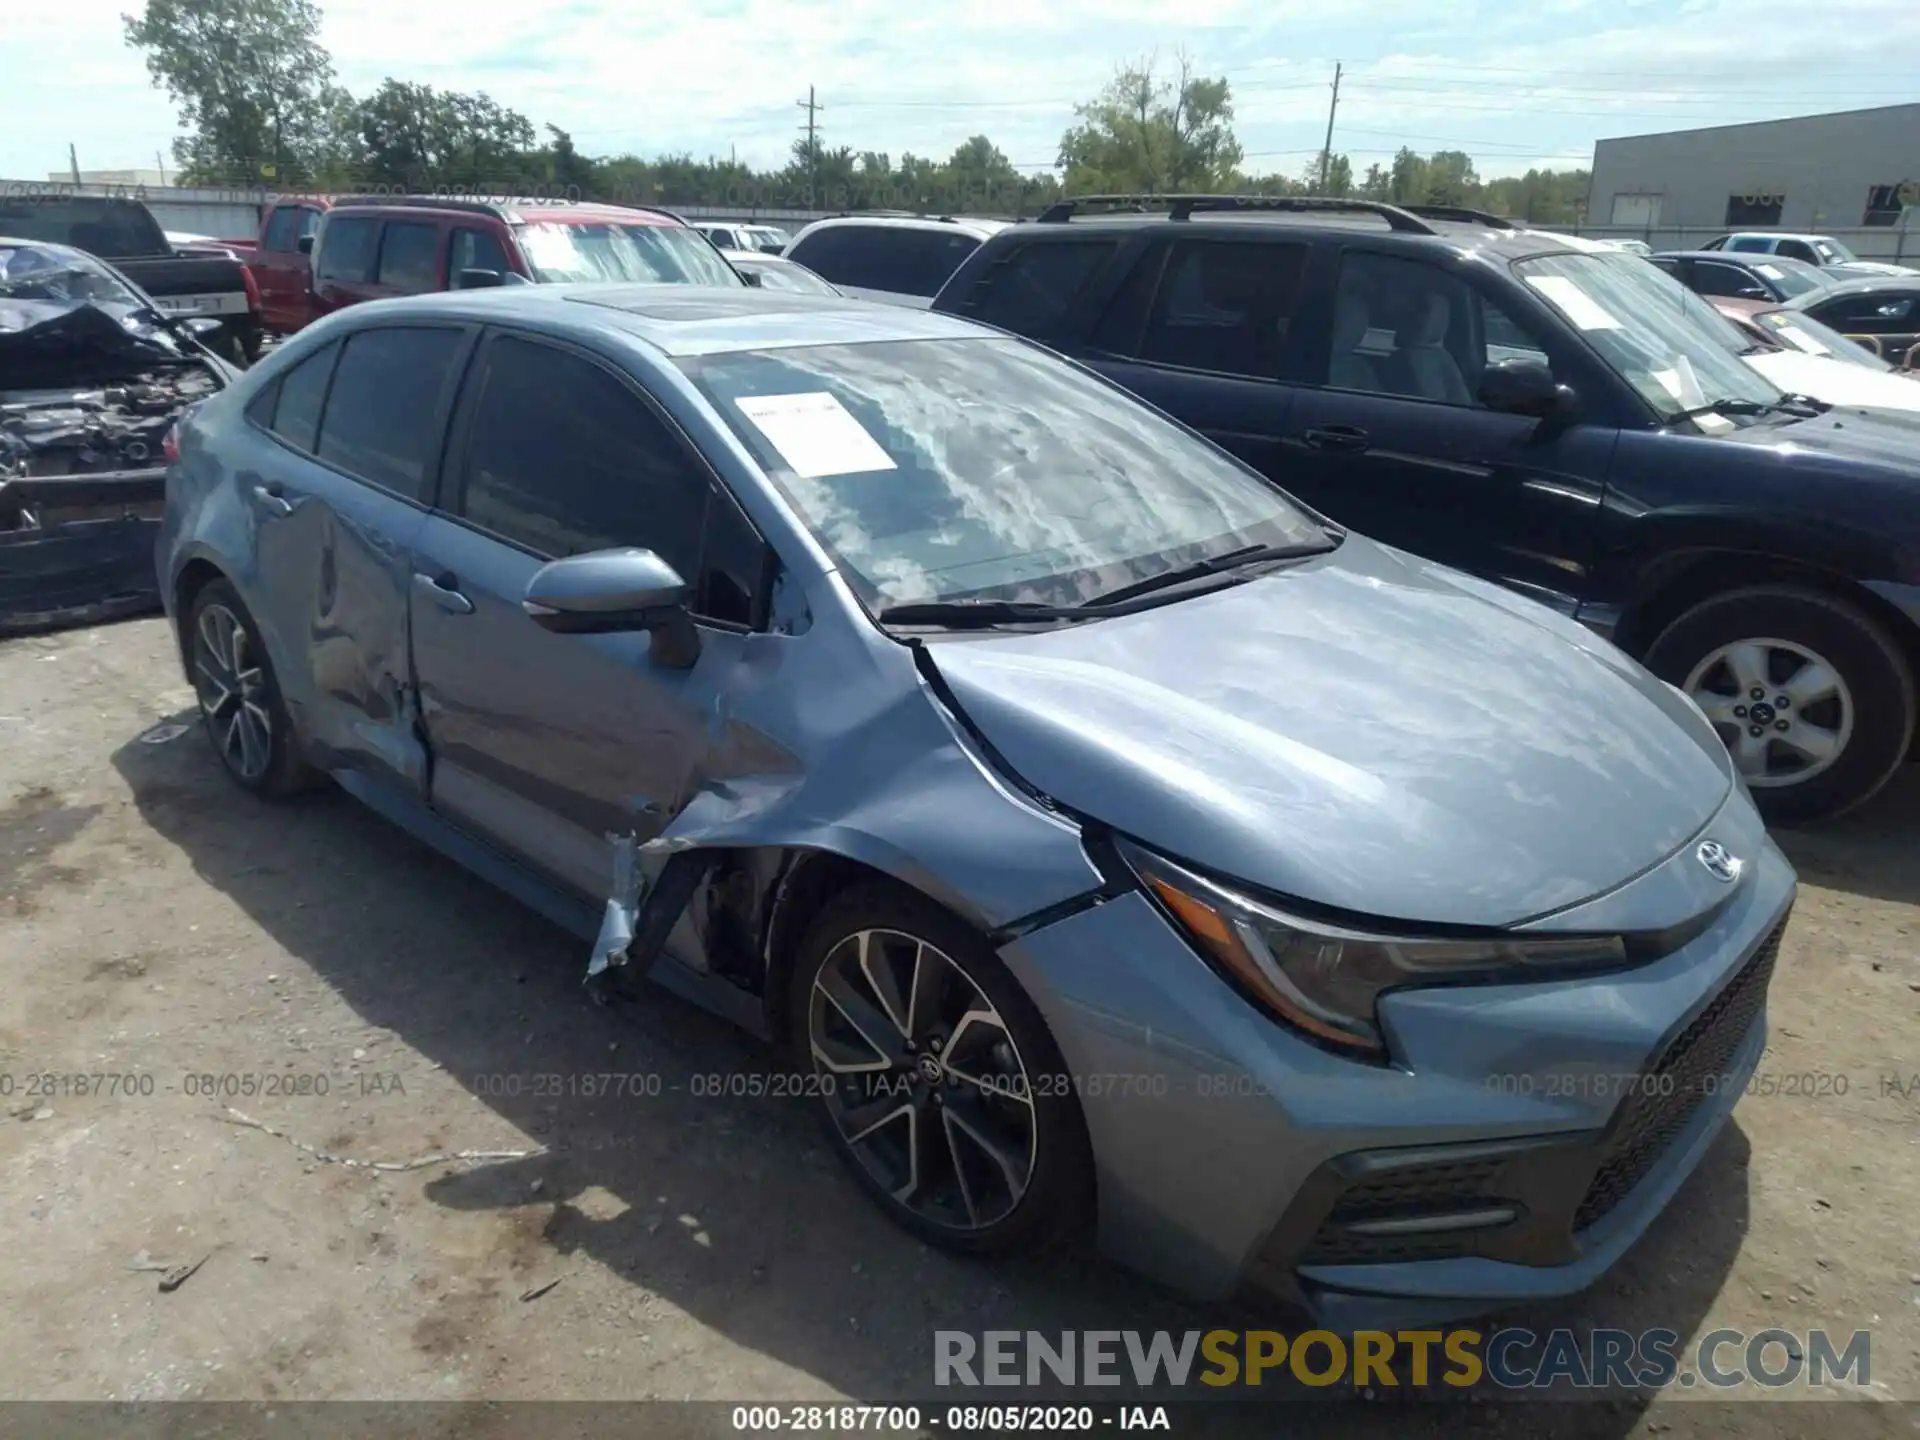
column 170, row 445
column 253, row 287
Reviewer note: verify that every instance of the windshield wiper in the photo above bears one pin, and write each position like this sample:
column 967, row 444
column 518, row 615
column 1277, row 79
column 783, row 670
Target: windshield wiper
column 1213, row 565
column 967, row 613
column 1803, row 406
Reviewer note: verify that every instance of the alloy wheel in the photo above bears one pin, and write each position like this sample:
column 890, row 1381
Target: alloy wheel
column 1785, row 713
column 231, row 685
column 922, row 1078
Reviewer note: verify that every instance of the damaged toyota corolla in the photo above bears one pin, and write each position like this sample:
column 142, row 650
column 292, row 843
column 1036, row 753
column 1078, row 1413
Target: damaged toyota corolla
column 1118, row 844
column 92, row 378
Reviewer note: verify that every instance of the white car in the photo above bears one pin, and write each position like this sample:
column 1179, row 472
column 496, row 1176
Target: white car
column 896, row 259
column 742, row 235
column 1804, row 357
column 1821, row 250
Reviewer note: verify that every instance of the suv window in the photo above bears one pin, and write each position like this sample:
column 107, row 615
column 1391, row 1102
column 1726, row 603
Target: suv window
column 290, row 407
column 894, row 258
column 347, row 249
column 475, row 250
column 1798, row 250
column 1030, row 290
column 1225, row 306
column 564, row 458
column 1752, row 244
column 1405, row 328
column 280, row 228
column 382, row 420
column 408, row 252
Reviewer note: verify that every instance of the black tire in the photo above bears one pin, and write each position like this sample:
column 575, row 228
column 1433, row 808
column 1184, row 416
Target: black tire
column 1059, row 1188
column 275, row 768
column 1875, row 674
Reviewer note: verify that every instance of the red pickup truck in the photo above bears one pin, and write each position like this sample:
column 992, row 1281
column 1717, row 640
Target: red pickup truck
column 317, row 254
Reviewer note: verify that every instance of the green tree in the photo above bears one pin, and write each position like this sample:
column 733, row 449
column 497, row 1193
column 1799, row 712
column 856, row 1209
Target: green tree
column 1450, row 179
column 1152, row 133
column 568, row 169
column 254, row 87
column 419, row 137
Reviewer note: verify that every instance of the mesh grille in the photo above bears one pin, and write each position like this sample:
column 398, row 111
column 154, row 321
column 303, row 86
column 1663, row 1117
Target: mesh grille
column 1416, row 1190
column 1675, row 1085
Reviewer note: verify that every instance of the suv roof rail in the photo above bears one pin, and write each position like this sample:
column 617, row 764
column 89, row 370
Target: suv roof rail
column 1461, row 213
column 495, row 208
column 885, row 215
column 1181, row 207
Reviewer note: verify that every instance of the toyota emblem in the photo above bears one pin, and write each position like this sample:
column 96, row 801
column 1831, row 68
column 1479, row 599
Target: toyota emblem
column 1721, row 862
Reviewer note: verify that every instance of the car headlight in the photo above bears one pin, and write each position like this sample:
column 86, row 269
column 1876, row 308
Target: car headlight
column 1326, row 979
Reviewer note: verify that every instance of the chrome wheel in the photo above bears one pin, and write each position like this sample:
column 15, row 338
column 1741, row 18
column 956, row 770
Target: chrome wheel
column 1784, row 712
column 922, row 1078
column 232, row 688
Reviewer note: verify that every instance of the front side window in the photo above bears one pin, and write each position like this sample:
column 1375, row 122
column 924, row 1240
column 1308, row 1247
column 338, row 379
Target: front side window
column 476, row 250
column 1657, row 335
column 941, row 469
column 348, row 248
column 282, row 228
column 409, row 256
column 1710, row 278
column 1030, row 291
column 609, row 252
column 1870, row 314
column 382, row 417
column 1799, row 250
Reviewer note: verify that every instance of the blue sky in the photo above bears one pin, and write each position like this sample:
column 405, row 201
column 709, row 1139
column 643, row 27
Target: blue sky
column 1512, row 84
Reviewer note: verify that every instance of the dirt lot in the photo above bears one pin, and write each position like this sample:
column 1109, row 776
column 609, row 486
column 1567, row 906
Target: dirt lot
column 158, row 926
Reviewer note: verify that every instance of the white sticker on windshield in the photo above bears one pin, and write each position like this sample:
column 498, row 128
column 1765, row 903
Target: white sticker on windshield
column 814, row 434
column 1801, row 340
column 1772, row 272
column 1573, row 302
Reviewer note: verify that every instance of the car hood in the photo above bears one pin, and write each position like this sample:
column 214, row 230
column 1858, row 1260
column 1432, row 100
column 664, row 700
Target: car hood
column 70, row 342
column 1837, row 382
column 1885, row 437
column 1365, row 731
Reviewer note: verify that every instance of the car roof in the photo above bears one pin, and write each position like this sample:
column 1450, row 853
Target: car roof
column 1778, row 235
column 1733, row 257
column 686, row 320
column 967, row 224
column 511, row 212
column 757, row 257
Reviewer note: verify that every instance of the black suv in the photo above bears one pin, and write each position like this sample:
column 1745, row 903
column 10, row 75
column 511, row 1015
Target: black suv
column 1545, row 412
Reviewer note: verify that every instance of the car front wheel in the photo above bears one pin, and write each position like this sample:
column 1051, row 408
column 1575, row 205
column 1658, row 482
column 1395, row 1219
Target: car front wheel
column 1812, row 697
column 943, row 1091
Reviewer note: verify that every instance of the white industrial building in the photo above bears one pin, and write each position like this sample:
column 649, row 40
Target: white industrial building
column 1854, row 175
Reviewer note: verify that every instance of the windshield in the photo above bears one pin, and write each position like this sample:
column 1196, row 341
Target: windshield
column 1803, row 332
column 768, row 236
column 1793, row 277
column 1661, row 338
column 943, row 469
column 1832, row 252
column 39, row 272
column 656, row 254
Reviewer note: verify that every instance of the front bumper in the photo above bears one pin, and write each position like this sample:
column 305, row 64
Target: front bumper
column 1230, row 1153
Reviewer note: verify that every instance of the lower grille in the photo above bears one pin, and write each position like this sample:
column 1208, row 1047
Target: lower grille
column 1672, row 1089
column 1430, row 1189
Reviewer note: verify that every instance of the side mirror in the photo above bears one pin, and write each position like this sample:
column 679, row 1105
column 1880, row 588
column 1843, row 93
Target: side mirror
column 609, row 592
column 752, row 277
column 473, row 278
column 1524, row 387
column 305, row 244
column 1754, row 292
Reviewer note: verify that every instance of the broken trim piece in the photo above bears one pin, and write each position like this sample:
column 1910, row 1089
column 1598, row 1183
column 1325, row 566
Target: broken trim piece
column 640, row 916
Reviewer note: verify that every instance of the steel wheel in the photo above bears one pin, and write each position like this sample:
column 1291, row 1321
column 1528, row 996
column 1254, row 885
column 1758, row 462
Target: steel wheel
column 1785, row 713
column 231, row 684
column 925, row 1083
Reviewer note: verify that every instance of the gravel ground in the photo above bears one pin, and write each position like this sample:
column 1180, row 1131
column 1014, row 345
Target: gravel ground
column 374, row 1003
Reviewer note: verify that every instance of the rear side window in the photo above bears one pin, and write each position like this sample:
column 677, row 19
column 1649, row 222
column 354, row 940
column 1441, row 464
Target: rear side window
column 1030, row 291
column 476, row 250
column 1225, row 306
column 281, row 228
column 382, row 420
column 896, row 259
column 408, row 252
column 347, row 249
column 1712, row 278
column 290, row 408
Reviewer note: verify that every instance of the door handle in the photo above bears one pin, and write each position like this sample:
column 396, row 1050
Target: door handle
column 1336, row 437
column 441, row 592
column 272, row 501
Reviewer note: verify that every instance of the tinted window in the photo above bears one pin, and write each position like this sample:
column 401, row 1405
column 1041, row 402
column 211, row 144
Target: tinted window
column 1226, row 307
column 1752, row 244
column 1030, row 290
column 896, row 259
column 347, row 249
column 302, row 390
column 97, row 225
column 383, row 412
column 408, row 252
column 1118, row 332
column 476, row 250
column 1799, row 250
column 1871, row 314
column 309, row 221
column 280, row 228
column 1712, row 278
column 563, row 458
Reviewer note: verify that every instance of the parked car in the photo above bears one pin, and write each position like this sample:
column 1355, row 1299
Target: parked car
column 771, row 272
column 281, row 261
column 93, row 375
column 1550, row 414
column 896, row 259
column 1803, row 357
column 1632, row 247
column 1821, row 250
column 966, row 723
column 738, row 235
column 1742, row 277
column 1882, row 313
column 124, row 233
column 414, row 246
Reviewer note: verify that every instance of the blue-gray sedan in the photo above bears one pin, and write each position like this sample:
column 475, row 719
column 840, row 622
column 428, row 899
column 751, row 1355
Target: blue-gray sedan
column 1116, row 842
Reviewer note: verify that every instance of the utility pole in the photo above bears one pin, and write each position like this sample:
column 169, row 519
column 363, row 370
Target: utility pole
column 1326, row 152
column 813, row 148
column 73, row 162
column 163, row 166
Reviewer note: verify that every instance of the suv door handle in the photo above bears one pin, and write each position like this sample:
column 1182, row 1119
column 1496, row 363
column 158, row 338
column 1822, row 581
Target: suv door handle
column 1336, row 437
column 441, row 592
column 272, row 501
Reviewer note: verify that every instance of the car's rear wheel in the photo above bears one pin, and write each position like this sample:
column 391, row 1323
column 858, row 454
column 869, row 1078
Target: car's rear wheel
column 943, row 1091
column 239, row 698
column 1813, row 698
